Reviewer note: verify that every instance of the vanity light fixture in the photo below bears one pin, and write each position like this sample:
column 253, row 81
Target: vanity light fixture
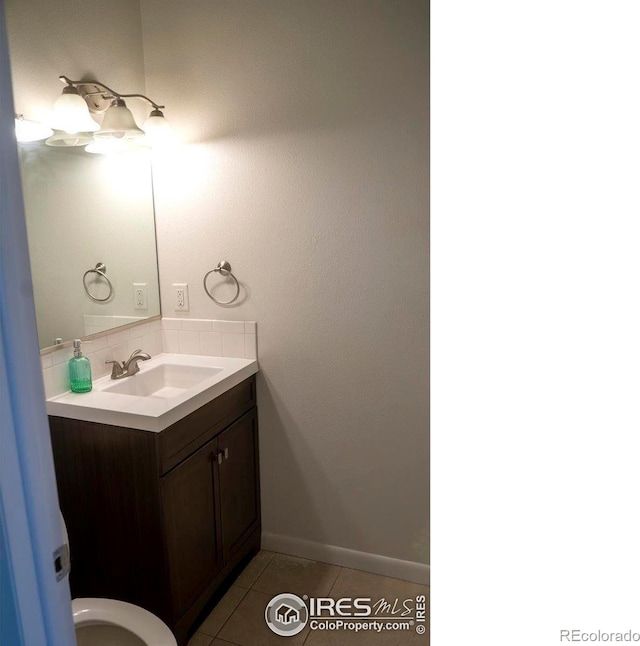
column 119, row 123
column 27, row 131
column 80, row 98
column 71, row 114
column 156, row 128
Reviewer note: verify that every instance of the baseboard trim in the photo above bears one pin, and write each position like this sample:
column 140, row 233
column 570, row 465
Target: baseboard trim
column 374, row 563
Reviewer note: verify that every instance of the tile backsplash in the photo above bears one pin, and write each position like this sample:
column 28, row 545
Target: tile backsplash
column 213, row 338
column 178, row 336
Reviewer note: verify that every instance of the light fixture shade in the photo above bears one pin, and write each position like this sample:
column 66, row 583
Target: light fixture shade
column 71, row 114
column 69, row 139
column 109, row 146
column 27, row 131
column 157, row 129
column 118, row 122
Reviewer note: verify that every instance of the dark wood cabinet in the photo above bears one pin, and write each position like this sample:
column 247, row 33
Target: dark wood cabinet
column 189, row 521
column 161, row 519
column 239, row 497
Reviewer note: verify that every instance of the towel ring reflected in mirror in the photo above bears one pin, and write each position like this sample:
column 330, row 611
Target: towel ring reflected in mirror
column 224, row 269
column 101, row 270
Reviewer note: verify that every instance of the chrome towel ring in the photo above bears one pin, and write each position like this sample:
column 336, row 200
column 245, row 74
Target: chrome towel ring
column 224, row 269
column 101, row 270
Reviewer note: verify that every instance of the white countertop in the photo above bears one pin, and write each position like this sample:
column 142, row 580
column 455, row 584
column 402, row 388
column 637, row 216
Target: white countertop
column 152, row 413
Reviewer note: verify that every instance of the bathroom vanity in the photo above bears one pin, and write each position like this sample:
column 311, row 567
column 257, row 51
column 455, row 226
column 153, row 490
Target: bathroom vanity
column 160, row 518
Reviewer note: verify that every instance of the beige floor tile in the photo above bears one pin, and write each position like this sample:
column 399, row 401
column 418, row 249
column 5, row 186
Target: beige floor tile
column 219, row 615
column 247, row 627
column 220, row 642
column 300, row 576
column 254, row 569
column 200, row 640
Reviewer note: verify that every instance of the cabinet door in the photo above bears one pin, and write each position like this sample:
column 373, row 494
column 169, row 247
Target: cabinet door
column 189, row 518
column 239, row 488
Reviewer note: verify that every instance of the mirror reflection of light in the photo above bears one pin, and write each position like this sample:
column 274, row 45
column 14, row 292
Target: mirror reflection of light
column 124, row 172
column 65, row 139
column 109, row 146
column 27, row 131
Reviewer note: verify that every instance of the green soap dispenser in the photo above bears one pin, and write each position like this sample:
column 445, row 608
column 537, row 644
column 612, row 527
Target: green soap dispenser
column 79, row 370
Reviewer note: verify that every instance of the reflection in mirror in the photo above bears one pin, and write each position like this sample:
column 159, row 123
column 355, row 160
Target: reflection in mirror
column 81, row 210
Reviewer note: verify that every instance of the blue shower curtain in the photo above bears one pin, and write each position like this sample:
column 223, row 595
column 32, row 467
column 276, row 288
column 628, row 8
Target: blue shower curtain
column 35, row 607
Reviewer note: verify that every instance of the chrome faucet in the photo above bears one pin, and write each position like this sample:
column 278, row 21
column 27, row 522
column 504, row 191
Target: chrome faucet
column 129, row 367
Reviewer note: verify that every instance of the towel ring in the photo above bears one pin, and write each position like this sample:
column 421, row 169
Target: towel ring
column 101, row 270
column 224, row 268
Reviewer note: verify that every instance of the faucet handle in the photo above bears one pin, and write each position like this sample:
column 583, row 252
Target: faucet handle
column 131, row 366
column 138, row 354
column 117, row 369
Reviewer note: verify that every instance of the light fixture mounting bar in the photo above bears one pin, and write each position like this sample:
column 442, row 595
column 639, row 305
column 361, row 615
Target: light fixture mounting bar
column 110, row 94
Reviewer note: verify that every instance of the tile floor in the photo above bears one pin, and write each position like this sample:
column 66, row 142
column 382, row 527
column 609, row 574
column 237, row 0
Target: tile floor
column 238, row 619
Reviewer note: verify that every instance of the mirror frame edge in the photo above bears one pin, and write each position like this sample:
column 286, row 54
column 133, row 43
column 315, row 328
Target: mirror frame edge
column 98, row 335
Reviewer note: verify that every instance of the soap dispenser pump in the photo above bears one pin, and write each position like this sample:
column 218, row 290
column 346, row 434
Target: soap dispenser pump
column 79, row 370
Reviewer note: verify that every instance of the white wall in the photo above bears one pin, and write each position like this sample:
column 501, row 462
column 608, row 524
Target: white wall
column 81, row 208
column 304, row 163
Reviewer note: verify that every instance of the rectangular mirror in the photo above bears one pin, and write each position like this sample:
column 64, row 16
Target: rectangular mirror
column 83, row 209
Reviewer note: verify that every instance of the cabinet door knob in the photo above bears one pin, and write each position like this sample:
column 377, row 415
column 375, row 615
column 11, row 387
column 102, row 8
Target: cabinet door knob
column 226, row 454
column 220, row 458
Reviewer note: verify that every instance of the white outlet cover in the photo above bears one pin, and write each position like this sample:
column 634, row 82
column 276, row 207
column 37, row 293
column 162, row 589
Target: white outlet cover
column 140, row 296
column 181, row 297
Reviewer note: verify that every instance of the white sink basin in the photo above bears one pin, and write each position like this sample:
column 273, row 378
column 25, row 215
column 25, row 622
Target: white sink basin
column 166, row 380
column 167, row 388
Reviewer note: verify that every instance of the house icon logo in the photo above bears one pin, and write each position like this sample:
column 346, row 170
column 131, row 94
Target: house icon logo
column 286, row 615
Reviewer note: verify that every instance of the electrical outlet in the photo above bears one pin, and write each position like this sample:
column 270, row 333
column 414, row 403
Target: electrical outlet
column 181, row 291
column 140, row 296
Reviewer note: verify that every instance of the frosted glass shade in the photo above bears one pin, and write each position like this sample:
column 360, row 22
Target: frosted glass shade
column 31, row 130
column 71, row 114
column 157, row 129
column 118, row 122
column 69, row 139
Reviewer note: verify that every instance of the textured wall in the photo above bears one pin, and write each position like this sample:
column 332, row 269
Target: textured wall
column 304, row 161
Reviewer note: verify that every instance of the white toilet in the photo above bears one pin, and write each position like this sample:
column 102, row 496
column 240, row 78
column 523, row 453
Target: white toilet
column 107, row 622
